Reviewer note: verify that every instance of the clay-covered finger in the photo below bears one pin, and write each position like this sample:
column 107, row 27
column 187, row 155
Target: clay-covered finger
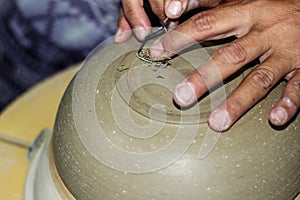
column 289, row 103
column 124, row 30
column 217, row 23
column 137, row 18
column 225, row 62
column 254, row 87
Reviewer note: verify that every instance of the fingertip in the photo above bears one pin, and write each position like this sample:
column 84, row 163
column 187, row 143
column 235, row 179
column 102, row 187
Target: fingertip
column 282, row 112
column 278, row 116
column 141, row 32
column 124, row 30
column 122, row 36
column 174, row 9
column 220, row 120
column 184, row 94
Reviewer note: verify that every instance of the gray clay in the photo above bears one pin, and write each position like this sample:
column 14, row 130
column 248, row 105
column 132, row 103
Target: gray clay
column 251, row 161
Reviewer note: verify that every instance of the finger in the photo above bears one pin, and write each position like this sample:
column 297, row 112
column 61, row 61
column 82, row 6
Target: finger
column 213, row 24
column 175, row 8
column 225, row 62
column 157, row 7
column 254, row 87
column 124, row 30
column 289, row 103
column 137, row 17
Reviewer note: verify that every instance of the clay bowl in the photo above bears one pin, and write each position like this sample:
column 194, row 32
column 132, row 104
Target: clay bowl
column 118, row 135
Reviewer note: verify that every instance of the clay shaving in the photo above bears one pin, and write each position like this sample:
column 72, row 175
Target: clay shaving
column 122, row 68
column 145, row 53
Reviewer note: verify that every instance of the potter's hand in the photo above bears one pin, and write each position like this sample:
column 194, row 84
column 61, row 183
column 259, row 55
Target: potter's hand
column 133, row 16
column 265, row 29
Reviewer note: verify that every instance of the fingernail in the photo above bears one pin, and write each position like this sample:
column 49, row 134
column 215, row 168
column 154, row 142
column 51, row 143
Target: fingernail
column 220, row 120
column 156, row 50
column 175, row 8
column 119, row 36
column 279, row 115
column 185, row 94
column 140, row 32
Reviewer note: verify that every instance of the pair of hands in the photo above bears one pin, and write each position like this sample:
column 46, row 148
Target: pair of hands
column 265, row 29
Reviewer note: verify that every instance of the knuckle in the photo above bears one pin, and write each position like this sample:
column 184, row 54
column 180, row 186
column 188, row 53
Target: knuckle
column 233, row 53
column 203, row 21
column 263, row 79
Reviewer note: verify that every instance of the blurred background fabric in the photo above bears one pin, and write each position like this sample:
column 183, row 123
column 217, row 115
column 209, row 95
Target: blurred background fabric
column 41, row 37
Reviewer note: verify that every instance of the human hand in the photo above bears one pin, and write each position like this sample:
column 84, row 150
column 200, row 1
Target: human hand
column 133, row 16
column 265, row 29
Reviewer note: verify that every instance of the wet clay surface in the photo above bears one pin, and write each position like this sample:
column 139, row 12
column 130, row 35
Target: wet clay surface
column 116, row 91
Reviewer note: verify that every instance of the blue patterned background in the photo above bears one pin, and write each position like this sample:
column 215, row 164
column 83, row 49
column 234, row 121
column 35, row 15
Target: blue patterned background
column 41, row 37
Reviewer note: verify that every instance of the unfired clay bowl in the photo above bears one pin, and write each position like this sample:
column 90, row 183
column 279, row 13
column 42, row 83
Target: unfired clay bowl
column 118, row 135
